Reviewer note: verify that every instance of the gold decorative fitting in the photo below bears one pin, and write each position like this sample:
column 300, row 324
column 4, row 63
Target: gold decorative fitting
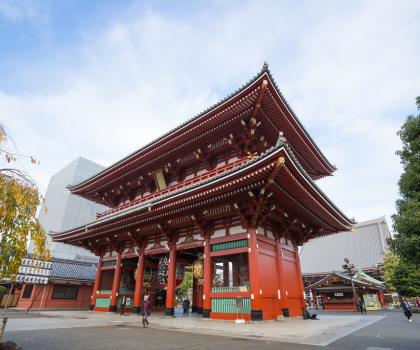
column 197, row 156
column 69, row 192
column 264, row 84
column 280, row 162
column 271, row 179
column 253, row 121
column 118, row 191
column 252, row 131
column 258, row 105
column 265, row 144
column 229, row 141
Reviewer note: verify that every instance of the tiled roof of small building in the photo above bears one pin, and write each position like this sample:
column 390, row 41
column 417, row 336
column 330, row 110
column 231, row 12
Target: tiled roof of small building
column 364, row 247
column 74, row 270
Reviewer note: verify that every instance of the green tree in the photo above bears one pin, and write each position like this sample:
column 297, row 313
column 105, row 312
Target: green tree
column 19, row 201
column 390, row 261
column 185, row 285
column 406, row 222
column 405, row 279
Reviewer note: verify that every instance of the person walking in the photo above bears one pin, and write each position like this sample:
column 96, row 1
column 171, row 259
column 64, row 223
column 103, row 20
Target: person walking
column 185, row 305
column 145, row 311
column 362, row 306
column 418, row 302
column 123, row 303
column 405, row 305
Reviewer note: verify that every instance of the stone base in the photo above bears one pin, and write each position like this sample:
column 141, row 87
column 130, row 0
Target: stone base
column 112, row 309
column 206, row 313
column 193, row 309
column 285, row 312
column 256, row 315
column 136, row 310
column 169, row 311
column 91, row 307
column 199, row 310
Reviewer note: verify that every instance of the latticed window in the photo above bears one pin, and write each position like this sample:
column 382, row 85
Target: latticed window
column 65, row 292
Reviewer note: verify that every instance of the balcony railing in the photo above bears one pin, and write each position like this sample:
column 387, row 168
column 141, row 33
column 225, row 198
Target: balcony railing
column 175, row 187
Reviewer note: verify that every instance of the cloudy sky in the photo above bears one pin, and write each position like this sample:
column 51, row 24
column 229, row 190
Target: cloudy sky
column 101, row 78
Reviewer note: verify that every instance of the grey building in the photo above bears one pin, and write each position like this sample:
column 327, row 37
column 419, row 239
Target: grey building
column 65, row 211
column 364, row 247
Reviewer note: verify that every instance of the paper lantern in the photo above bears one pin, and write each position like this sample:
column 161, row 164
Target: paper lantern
column 163, row 269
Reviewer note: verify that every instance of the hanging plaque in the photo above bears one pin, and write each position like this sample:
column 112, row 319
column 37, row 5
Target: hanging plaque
column 159, row 180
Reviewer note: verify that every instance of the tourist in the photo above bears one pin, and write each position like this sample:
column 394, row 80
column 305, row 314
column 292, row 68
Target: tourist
column 185, row 304
column 145, row 311
column 418, row 302
column 188, row 306
column 306, row 314
column 123, row 303
column 362, row 306
column 405, row 305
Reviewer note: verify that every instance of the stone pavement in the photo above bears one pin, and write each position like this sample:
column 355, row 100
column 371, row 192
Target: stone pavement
column 293, row 330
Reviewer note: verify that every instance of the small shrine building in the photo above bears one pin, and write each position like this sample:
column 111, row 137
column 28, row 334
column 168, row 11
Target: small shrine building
column 232, row 190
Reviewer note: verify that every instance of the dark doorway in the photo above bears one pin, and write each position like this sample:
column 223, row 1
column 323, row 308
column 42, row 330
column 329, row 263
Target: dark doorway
column 160, row 298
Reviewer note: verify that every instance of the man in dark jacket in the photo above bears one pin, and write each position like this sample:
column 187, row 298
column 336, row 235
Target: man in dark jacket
column 123, row 303
column 362, row 306
column 405, row 305
column 145, row 311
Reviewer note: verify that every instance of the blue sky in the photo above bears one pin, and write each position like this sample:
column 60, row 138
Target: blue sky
column 102, row 78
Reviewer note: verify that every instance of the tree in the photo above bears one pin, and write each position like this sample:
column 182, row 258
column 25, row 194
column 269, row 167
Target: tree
column 19, row 201
column 406, row 222
column 186, row 284
column 405, row 278
column 390, row 261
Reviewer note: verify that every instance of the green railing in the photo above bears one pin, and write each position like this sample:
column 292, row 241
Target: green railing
column 129, row 263
column 229, row 289
column 103, row 302
column 125, row 291
column 109, row 263
column 229, row 245
column 104, row 291
column 228, row 305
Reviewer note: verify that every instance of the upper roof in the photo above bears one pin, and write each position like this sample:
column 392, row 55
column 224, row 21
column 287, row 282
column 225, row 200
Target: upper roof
column 148, row 206
column 304, row 145
column 364, row 247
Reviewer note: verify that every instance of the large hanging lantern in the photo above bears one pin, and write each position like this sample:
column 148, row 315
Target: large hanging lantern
column 148, row 276
column 198, row 268
column 163, row 269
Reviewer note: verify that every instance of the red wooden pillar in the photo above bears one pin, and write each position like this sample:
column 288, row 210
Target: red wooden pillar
column 226, row 274
column 283, row 296
column 194, row 296
column 200, row 299
column 116, row 284
column 170, row 292
column 207, row 280
column 235, row 278
column 254, row 278
column 139, row 284
column 381, row 298
column 299, row 276
column 97, row 283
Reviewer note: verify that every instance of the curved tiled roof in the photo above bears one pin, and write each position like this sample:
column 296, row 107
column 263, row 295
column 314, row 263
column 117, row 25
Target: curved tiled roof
column 281, row 145
column 216, row 105
column 73, row 270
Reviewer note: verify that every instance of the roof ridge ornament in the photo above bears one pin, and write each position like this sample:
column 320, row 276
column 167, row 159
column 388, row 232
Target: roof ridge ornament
column 265, row 66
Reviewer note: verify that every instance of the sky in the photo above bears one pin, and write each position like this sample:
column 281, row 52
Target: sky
column 102, row 78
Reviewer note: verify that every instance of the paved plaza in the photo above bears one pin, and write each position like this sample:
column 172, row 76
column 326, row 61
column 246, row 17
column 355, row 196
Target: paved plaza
column 69, row 328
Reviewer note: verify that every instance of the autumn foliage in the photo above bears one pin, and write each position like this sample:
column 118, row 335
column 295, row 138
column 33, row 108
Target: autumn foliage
column 19, row 201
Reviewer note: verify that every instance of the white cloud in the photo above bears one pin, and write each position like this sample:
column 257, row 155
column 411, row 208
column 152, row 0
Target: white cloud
column 18, row 10
column 350, row 71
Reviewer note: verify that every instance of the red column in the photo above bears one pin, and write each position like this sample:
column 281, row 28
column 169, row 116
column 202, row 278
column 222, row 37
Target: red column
column 200, row 300
column 170, row 291
column 235, row 278
column 116, row 285
column 139, row 283
column 299, row 275
column 96, row 285
column 194, row 296
column 225, row 274
column 283, row 297
column 381, row 297
column 208, row 280
column 254, row 278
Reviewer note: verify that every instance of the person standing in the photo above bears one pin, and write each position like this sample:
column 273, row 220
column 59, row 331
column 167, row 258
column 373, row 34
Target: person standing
column 185, row 305
column 123, row 303
column 145, row 311
column 362, row 306
column 418, row 302
column 188, row 306
column 405, row 305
